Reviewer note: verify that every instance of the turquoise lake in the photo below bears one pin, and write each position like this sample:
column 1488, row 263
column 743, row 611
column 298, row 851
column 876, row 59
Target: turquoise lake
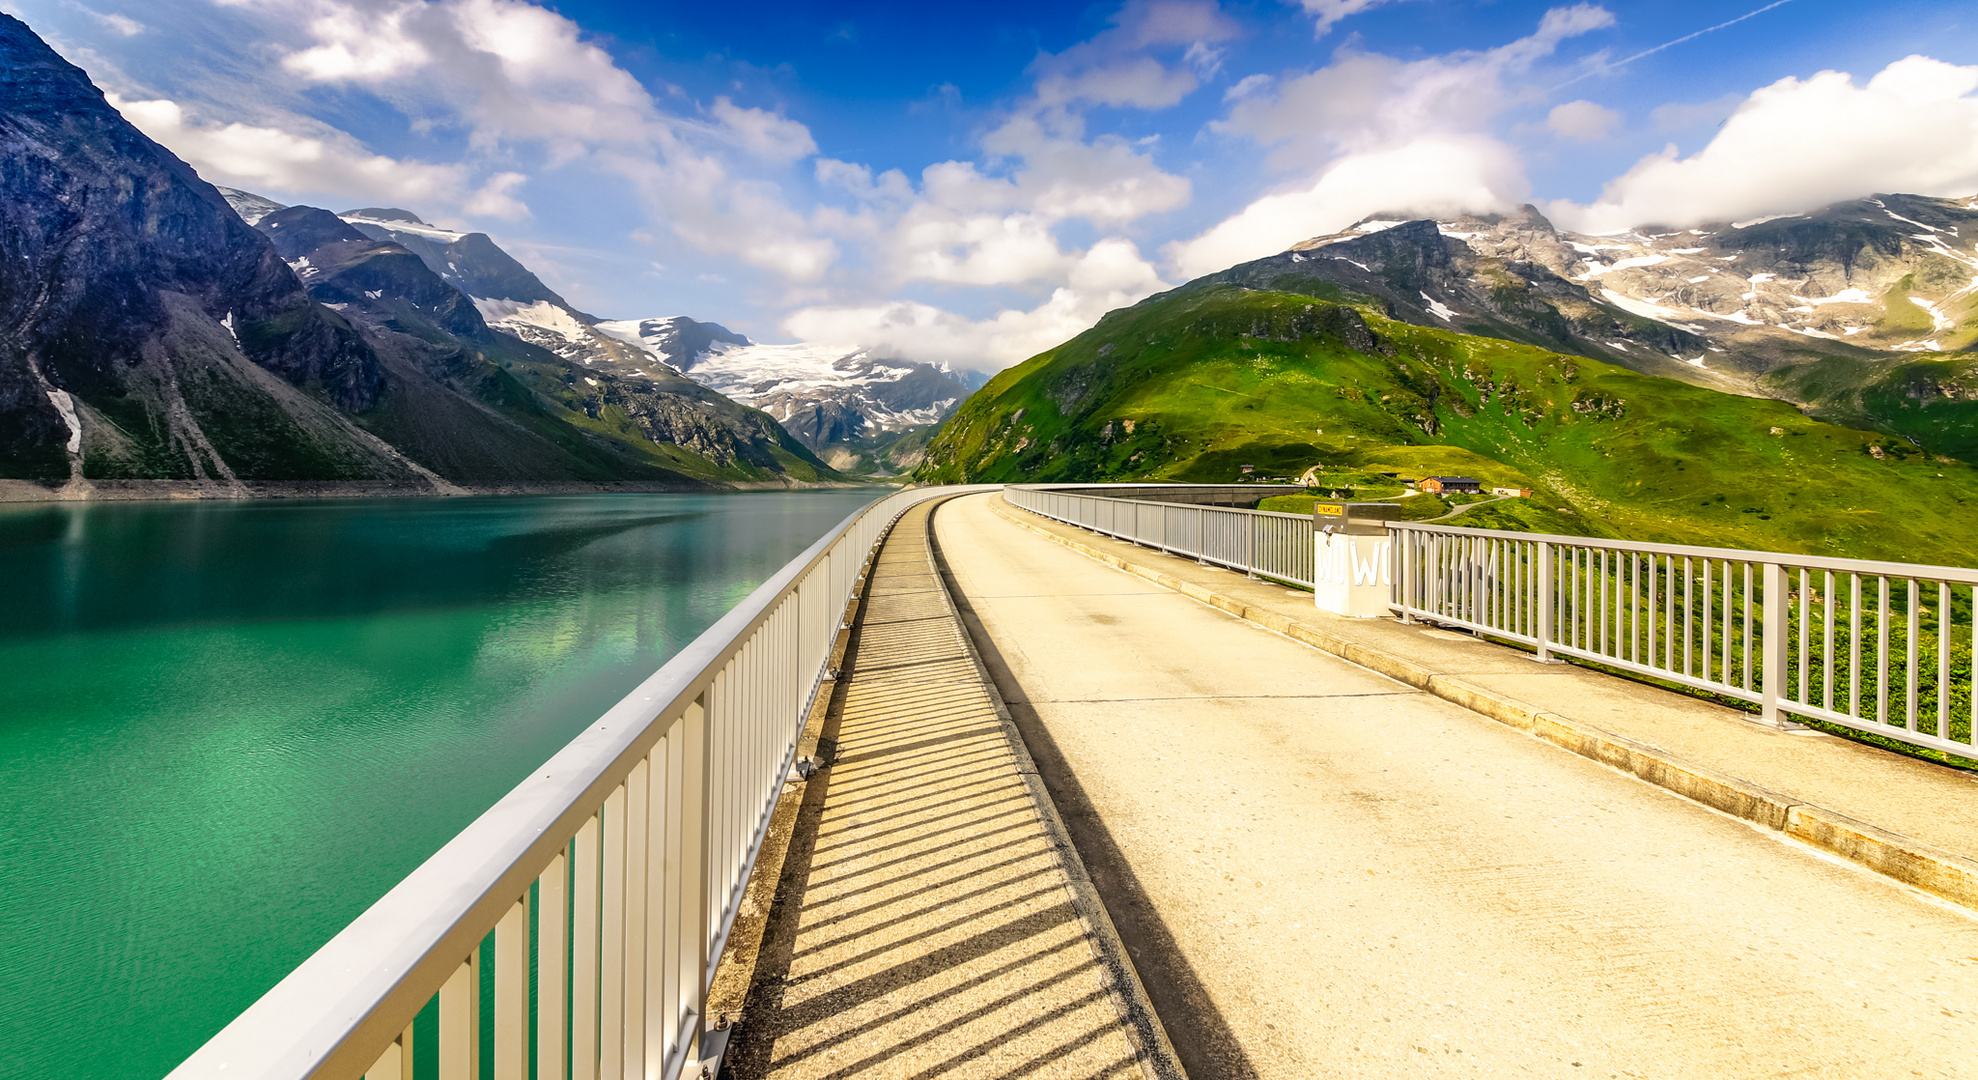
column 227, row 728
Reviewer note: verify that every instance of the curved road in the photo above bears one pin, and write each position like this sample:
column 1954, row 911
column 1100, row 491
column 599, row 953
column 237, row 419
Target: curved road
column 1322, row 872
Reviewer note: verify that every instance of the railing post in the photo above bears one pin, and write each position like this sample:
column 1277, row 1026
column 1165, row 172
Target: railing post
column 1547, row 601
column 1772, row 644
column 1404, row 579
column 1250, row 547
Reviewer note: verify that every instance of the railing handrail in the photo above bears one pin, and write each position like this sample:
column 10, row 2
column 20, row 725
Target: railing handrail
column 334, row 1013
column 1960, row 575
column 1752, row 636
column 1083, row 489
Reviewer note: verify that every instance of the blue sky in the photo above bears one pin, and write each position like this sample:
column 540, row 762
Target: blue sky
column 974, row 183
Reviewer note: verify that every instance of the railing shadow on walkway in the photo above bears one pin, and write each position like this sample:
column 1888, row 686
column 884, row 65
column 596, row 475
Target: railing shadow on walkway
column 921, row 924
column 1202, row 1037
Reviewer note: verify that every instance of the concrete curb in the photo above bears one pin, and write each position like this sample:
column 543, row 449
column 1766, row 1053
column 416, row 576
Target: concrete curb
column 1912, row 862
column 1158, row 1060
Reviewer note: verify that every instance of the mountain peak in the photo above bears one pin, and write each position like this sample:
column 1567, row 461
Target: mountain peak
column 384, row 213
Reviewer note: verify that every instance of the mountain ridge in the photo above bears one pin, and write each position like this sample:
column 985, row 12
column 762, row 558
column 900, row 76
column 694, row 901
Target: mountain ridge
column 153, row 337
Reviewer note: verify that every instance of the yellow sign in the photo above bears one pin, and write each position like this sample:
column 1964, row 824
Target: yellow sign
column 1328, row 509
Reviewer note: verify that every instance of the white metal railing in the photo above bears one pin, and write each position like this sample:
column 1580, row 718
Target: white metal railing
column 601, row 889
column 1884, row 648
column 1880, row 647
column 1262, row 543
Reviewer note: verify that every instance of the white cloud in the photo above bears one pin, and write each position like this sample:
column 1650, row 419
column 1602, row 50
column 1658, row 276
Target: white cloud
column 122, row 25
column 271, row 159
column 1108, row 275
column 1803, row 143
column 1582, row 121
column 1681, row 116
column 1373, row 133
column 1114, row 67
column 1248, row 86
column 765, row 134
column 494, row 198
column 1434, row 175
column 1328, row 12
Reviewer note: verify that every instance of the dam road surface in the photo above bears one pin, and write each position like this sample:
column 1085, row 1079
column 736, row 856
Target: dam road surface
column 1320, row 871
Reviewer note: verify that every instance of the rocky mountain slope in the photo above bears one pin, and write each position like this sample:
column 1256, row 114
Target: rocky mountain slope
column 1864, row 312
column 863, row 414
column 658, row 420
column 1201, row 382
column 147, row 332
column 145, row 329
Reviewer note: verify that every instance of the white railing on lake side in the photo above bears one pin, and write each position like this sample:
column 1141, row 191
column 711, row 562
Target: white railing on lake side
column 1879, row 647
column 1883, row 648
column 600, row 890
column 1262, row 543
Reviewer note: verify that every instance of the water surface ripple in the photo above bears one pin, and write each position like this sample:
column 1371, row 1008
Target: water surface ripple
column 225, row 729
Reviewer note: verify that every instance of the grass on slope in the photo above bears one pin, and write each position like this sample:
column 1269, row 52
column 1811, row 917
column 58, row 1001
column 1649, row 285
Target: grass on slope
column 1191, row 387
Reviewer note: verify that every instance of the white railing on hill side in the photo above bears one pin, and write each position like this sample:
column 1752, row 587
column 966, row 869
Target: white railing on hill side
column 1883, row 648
column 1261, row 543
column 601, row 889
column 1880, row 647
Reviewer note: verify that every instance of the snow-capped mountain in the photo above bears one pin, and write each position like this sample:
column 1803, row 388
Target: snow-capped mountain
column 845, row 405
column 1722, row 304
column 848, row 405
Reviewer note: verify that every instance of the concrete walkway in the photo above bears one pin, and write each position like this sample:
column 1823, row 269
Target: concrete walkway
column 1909, row 818
column 1320, row 871
column 929, row 923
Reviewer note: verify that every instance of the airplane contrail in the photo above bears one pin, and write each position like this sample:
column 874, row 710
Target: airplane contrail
column 1670, row 44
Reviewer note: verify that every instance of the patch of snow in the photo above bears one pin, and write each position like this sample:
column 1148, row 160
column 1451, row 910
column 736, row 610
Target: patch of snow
column 1760, row 279
column 540, row 314
column 303, row 269
column 1912, row 221
column 1453, row 234
column 1811, row 333
column 66, row 405
column 1595, row 249
column 1684, row 251
column 394, row 225
column 1694, row 280
column 228, row 322
column 1297, row 258
column 1438, row 309
column 1853, row 330
column 1919, row 346
column 1344, row 259
column 1696, row 361
column 1637, row 307
column 374, row 294
column 1375, row 226
column 1940, row 322
column 1763, row 220
column 1639, row 260
column 590, row 380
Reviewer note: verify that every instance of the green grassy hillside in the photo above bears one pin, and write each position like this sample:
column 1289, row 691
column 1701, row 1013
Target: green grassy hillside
column 1193, row 386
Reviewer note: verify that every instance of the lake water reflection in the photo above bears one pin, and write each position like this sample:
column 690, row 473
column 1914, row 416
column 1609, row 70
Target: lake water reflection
column 225, row 729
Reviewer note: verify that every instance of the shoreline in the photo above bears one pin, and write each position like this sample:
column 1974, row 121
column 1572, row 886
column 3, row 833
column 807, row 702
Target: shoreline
column 29, row 491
